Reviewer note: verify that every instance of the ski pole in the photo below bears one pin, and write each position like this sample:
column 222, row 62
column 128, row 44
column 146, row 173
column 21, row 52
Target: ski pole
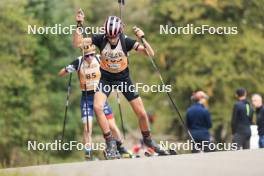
column 86, row 106
column 120, row 113
column 121, row 4
column 86, row 96
column 66, row 106
column 86, row 93
column 171, row 100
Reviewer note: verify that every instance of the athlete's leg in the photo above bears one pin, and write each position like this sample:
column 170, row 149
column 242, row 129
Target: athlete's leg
column 115, row 130
column 87, row 110
column 112, row 123
column 99, row 101
column 138, row 108
column 87, row 136
column 137, row 105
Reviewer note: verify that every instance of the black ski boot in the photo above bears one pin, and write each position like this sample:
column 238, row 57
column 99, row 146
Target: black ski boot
column 124, row 153
column 111, row 150
column 155, row 147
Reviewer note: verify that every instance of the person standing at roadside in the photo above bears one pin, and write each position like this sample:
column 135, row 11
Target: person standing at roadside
column 199, row 122
column 257, row 103
column 241, row 120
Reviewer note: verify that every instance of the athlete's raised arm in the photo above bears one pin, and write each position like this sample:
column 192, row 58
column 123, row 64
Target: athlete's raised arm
column 145, row 48
column 78, row 39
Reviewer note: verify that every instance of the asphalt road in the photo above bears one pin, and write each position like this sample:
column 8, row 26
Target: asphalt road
column 238, row 163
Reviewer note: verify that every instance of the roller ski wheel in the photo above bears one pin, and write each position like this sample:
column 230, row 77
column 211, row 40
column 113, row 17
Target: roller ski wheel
column 129, row 155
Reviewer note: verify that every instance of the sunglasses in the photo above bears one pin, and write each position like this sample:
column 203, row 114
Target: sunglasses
column 89, row 55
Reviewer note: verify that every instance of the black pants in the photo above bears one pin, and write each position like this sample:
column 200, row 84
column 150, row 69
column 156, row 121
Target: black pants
column 241, row 140
column 123, row 85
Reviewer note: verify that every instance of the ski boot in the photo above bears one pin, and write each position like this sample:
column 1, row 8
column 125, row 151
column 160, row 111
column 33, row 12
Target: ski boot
column 88, row 155
column 111, row 151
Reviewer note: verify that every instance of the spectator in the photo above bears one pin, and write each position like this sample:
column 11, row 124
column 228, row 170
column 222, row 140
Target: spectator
column 198, row 121
column 241, row 120
column 257, row 103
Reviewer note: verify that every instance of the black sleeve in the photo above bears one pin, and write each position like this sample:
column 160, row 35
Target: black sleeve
column 261, row 115
column 97, row 39
column 129, row 43
column 75, row 64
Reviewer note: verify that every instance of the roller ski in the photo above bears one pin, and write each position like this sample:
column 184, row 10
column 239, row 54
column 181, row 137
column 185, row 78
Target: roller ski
column 154, row 149
column 124, row 153
column 150, row 152
column 128, row 154
column 111, row 152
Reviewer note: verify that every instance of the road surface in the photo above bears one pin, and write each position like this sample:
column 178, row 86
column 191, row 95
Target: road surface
column 238, row 163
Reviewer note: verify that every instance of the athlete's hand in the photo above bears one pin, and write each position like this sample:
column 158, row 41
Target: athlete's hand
column 80, row 16
column 138, row 32
column 70, row 68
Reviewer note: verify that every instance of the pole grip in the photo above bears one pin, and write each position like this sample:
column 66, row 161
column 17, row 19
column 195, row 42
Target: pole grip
column 121, row 2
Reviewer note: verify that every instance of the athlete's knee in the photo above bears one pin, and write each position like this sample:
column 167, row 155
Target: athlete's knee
column 98, row 108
